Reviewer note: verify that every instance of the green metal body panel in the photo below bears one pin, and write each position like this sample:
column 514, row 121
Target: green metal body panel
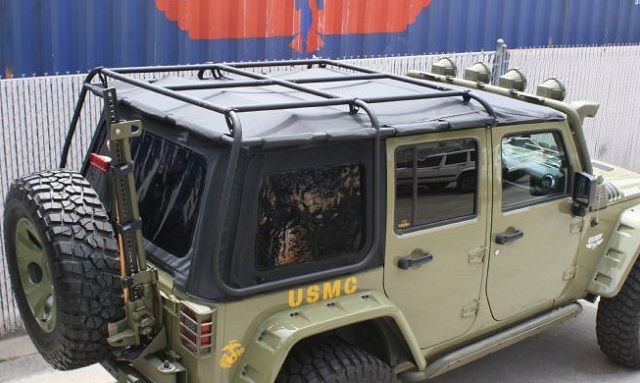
column 619, row 256
column 276, row 336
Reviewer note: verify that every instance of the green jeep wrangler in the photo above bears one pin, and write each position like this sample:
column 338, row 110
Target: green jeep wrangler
column 316, row 221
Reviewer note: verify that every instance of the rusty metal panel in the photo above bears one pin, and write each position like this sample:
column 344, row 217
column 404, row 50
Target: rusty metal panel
column 68, row 36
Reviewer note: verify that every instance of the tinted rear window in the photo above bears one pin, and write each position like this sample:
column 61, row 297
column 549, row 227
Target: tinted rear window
column 170, row 182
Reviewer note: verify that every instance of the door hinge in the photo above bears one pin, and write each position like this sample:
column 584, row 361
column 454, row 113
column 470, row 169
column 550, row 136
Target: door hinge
column 477, row 255
column 470, row 310
column 569, row 273
column 577, row 224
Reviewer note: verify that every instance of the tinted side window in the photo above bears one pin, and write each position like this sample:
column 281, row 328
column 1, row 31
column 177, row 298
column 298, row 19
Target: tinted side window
column 310, row 214
column 428, row 195
column 534, row 169
column 170, row 181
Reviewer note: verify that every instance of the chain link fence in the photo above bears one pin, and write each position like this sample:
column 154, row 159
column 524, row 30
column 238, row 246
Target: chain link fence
column 35, row 114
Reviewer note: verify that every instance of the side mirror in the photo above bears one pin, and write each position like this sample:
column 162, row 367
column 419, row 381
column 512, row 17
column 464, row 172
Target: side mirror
column 584, row 193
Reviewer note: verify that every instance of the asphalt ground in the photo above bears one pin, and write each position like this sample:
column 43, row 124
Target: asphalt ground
column 566, row 353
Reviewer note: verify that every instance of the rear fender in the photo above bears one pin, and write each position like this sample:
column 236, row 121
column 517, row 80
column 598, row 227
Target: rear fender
column 277, row 335
column 619, row 256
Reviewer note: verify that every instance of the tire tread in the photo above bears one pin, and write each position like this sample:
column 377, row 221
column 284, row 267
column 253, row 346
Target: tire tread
column 85, row 268
column 618, row 322
column 333, row 361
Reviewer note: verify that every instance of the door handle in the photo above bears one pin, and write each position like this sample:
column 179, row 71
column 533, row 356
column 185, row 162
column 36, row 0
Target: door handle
column 408, row 261
column 510, row 235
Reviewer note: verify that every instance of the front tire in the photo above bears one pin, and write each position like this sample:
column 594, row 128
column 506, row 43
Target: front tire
column 63, row 262
column 336, row 362
column 618, row 323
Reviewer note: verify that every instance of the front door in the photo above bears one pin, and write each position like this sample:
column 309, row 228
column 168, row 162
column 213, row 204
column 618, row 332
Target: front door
column 533, row 241
column 436, row 232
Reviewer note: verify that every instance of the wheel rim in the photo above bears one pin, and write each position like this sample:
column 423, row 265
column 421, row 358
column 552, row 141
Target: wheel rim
column 35, row 276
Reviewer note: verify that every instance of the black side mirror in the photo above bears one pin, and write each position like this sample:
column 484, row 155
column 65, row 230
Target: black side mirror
column 584, row 193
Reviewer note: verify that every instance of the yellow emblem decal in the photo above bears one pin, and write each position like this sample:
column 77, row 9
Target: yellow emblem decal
column 231, row 353
column 404, row 224
column 324, row 291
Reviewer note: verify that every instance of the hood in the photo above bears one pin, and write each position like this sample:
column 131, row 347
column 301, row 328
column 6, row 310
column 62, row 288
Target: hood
column 619, row 184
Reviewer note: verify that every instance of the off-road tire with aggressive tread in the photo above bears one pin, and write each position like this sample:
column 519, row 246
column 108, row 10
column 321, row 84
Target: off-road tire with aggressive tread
column 333, row 361
column 81, row 254
column 618, row 322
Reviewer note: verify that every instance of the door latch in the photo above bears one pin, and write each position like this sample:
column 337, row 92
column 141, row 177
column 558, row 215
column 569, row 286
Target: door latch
column 408, row 261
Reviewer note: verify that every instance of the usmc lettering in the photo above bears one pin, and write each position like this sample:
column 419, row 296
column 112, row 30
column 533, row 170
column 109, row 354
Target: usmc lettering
column 323, row 291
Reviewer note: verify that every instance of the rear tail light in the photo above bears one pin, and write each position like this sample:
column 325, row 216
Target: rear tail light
column 196, row 328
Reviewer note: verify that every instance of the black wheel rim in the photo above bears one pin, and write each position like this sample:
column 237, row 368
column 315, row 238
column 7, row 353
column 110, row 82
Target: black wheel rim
column 35, row 276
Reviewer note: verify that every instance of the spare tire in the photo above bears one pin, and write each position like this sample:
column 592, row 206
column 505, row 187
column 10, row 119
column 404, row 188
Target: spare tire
column 63, row 260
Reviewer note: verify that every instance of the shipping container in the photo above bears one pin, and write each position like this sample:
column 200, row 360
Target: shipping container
column 39, row 37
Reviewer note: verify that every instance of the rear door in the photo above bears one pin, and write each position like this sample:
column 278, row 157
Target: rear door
column 435, row 237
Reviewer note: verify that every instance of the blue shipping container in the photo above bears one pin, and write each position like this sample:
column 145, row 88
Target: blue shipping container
column 40, row 37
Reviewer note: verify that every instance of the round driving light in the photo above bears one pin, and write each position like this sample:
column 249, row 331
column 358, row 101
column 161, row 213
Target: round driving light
column 478, row 72
column 445, row 67
column 552, row 88
column 513, row 79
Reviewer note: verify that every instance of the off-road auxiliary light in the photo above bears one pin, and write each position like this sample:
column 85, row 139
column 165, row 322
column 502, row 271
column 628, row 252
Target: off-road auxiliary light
column 552, row 88
column 478, row 72
column 196, row 328
column 445, row 67
column 513, row 79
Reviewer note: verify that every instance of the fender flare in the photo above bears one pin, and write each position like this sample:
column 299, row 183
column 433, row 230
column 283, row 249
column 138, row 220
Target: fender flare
column 276, row 336
column 619, row 256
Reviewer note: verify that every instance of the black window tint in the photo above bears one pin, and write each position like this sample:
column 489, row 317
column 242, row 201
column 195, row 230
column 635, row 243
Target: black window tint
column 428, row 194
column 534, row 169
column 456, row 158
column 170, row 181
column 310, row 214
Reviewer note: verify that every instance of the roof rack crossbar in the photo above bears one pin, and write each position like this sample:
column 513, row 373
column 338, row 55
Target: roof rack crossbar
column 164, row 68
column 416, row 96
column 344, row 101
column 269, row 82
column 267, row 64
column 292, row 105
column 281, row 82
column 374, row 76
column 166, row 92
column 467, row 93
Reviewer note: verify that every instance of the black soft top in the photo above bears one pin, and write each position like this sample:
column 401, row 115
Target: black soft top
column 317, row 103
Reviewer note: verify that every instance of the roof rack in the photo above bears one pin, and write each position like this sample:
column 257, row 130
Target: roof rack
column 259, row 80
column 235, row 128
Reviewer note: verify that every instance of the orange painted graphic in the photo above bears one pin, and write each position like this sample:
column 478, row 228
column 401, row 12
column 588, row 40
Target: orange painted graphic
column 305, row 20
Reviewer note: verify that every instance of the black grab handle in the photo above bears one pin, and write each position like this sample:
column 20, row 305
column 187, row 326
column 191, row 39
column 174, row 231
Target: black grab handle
column 407, row 261
column 509, row 236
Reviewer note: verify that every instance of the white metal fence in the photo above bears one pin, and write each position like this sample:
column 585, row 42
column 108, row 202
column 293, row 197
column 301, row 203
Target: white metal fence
column 35, row 113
